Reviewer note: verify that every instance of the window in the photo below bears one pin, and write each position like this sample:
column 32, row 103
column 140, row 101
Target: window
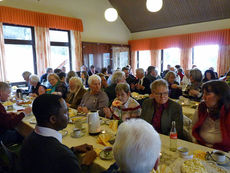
column 60, row 49
column 171, row 56
column 19, row 51
column 120, row 57
column 90, row 59
column 205, row 57
column 106, row 59
column 143, row 59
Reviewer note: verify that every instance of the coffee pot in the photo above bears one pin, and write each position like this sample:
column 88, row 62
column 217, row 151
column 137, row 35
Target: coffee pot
column 19, row 94
column 93, row 123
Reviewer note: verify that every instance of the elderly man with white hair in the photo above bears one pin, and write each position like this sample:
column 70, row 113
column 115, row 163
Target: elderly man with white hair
column 136, row 149
column 117, row 77
column 95, row 98
column 142, row 85
column 36, row 87
column 75, row 92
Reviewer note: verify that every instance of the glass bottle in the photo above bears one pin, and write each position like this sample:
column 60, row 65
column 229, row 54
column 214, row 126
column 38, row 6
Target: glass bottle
column 173, row 137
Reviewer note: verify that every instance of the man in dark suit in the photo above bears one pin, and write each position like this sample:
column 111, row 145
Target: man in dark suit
column 43, row 150
column 129, row 77
column 142, row 85
column 92, row 70
column 44, row 76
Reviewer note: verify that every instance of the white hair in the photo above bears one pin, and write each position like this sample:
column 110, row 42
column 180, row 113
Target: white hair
column 117, row 76
column 137, row 146
column 34, row 78
column 141, row 70
column 92, row 78
column 76, row 80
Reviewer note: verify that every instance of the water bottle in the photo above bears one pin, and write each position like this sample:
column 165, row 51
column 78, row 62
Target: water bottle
column 173, row 137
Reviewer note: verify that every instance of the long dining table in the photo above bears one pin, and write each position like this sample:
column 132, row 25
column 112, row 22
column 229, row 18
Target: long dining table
column 100, row 165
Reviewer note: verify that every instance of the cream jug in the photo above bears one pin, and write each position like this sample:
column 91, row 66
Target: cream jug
column 93, row 123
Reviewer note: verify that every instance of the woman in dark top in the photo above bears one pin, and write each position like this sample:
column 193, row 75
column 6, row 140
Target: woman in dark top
column 209, row 75
column 84, row 77
column 57, row 87
column 174, row 89
column 193, row 91
column 36, row 89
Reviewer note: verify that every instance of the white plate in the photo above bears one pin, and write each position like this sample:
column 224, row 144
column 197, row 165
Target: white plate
column 210, row 167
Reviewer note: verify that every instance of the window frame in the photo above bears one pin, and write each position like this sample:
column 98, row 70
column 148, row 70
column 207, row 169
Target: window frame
column 24, row 42
column 66, row 44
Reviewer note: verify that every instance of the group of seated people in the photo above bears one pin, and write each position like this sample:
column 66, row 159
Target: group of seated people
column 114, row 101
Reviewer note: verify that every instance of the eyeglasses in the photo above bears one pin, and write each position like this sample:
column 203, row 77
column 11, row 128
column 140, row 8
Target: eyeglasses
column 162, row 94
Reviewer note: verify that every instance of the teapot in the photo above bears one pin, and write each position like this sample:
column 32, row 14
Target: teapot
column 94, row 123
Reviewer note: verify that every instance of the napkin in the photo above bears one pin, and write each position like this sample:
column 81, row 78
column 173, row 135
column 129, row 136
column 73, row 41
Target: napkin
column 97, row 150
column 162, row 169
column 7, row 103
column 113, row 125
column 104, row 139
column 199, row 154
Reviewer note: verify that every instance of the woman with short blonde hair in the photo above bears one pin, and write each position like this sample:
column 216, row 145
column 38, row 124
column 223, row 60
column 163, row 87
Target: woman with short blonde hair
column 57, row 87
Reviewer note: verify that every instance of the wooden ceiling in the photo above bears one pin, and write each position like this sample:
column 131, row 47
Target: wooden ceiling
column 173, row 13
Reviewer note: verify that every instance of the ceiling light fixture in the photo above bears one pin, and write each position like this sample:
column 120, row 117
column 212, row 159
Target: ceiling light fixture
column 111, row 14
column 154, row 5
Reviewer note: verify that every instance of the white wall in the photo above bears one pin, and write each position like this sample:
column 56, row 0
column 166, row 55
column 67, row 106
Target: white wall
column 183, row 29
column 96, row 28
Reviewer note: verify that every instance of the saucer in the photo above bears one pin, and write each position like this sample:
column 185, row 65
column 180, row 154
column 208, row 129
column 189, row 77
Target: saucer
column 33, row 121
column 225, row 163
column 106, row 157
column 64, row 133
column 77, row 136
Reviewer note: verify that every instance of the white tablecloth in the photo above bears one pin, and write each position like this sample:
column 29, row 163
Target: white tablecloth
column 99, row 164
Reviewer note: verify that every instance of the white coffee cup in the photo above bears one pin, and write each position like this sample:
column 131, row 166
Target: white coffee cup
column 218, row 156
column 76, row 132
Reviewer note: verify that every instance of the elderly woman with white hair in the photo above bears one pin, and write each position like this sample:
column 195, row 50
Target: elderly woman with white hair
column 136, row 149
column 75, row 93
column 36, row 87
column 160, row 111
column 95, row 98
column 117, row 77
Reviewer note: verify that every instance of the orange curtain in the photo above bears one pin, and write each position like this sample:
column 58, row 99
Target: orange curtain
column 155, row 61
column 186, row 58
column 133, row 62
column 221, row 37
column 77, row 50
column 30, row 18
column 43, row 49
column 2, row 56
column 223, row 64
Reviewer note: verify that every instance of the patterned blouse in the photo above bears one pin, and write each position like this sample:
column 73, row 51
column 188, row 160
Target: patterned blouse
column 131, row 109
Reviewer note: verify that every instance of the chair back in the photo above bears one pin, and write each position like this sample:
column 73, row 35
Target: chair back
column 12, row 158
